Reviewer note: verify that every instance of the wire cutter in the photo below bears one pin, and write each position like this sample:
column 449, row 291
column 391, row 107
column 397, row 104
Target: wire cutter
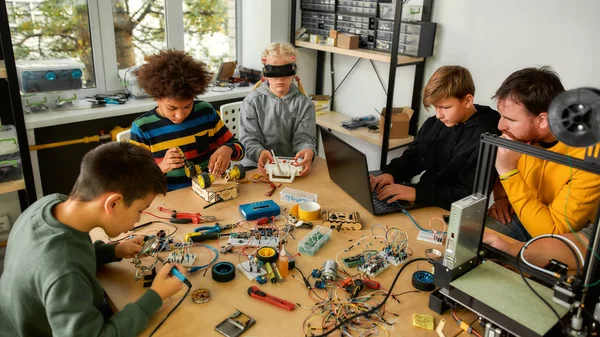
column 185, row 218
column 217, row 228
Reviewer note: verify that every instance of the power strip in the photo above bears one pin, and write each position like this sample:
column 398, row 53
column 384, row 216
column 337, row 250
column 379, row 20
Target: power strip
column 269, row 241
column 184, row 259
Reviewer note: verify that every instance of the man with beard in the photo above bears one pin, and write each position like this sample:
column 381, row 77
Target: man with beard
column 534, row 196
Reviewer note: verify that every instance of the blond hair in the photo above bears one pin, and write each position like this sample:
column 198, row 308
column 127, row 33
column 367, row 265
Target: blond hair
column 280, row 49
column 448, row 82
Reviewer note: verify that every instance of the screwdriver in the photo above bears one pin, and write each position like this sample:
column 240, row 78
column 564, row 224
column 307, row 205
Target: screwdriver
column 175, row 272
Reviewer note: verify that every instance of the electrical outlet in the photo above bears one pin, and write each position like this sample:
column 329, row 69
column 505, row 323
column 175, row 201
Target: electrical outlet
column 4, row 223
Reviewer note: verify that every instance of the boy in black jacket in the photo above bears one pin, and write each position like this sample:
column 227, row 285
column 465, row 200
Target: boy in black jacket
column 446, row 146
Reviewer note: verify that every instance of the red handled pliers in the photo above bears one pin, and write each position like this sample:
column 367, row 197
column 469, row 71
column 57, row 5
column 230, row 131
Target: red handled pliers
column 255, row 292
column 185, row 218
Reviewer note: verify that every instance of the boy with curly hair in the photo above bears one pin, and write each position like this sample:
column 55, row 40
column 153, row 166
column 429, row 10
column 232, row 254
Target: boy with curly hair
column 174, row 79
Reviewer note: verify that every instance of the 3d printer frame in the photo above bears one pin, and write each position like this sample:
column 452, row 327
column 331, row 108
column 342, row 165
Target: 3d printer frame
column 483, row 185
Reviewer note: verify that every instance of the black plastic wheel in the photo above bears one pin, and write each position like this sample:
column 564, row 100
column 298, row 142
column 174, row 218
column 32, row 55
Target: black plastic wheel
column 423, row 280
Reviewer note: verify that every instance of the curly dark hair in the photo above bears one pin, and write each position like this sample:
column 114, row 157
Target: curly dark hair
column 173, row 73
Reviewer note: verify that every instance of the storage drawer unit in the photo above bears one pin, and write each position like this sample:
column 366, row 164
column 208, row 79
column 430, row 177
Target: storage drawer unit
column 416, row 39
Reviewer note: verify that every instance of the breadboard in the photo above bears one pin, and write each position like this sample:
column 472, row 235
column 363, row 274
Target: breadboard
column 244, row 267
column 269, row 241
column 429, row 237
column 184, row 259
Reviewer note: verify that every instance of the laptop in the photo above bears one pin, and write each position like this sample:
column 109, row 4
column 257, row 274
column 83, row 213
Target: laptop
column 349, row 170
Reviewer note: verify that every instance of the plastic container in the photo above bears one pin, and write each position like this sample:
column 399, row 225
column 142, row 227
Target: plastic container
column 387, row 11
column 8, row 141
column 314, row 240
column 10, row 169
column 385, row 25
column 293, row 196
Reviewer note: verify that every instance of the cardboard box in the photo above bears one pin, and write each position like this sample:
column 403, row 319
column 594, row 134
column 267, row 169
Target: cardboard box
column 331, row 42
column 322, row 103
column 347, row 41
column 333, row 34
column 399, row 124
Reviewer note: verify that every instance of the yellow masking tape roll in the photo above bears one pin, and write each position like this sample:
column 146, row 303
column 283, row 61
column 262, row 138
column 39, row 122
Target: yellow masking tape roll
column 309, row 211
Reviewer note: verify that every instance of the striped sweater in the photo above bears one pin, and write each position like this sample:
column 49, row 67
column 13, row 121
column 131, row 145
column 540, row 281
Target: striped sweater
column 198, row 136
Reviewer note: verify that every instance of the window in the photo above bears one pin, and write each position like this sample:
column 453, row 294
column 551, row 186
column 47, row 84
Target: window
column 45, row 30
column 209, row 30
column 84, row 30
column 139, row 30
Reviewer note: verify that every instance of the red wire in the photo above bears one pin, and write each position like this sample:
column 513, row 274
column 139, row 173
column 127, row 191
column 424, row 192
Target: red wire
column 156, row 216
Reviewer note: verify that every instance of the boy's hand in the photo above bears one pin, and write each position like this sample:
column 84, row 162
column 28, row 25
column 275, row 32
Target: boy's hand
column 165, row 284
column 173, row 159
column 397, row 192
column 264, row 157
column 219, row 161
column 129, row 248
column 377, row 182
column 501, row 210
column 307, row 155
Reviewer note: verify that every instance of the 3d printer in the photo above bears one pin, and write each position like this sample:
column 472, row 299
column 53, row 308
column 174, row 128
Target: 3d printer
column 467, row 276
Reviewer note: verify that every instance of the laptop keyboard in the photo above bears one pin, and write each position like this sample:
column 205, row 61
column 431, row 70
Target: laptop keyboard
column 382, row 205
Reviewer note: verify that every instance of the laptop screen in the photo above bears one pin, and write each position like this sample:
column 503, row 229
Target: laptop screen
column 348, row 168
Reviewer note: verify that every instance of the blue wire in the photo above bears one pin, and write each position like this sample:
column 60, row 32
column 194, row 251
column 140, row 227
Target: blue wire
column 196, row 268
column 416, row 224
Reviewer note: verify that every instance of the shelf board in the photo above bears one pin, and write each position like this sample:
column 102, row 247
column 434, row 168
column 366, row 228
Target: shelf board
column 333, row 120
column 2, row 69
column 12, row 186
column 362, row 53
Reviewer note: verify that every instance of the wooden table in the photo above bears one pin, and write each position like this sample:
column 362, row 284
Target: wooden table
column 190, row 319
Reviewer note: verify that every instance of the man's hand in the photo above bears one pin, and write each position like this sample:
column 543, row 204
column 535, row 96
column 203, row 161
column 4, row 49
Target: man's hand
column 173, row 159
column 307, row 155
column 129, row 248
column 264, row 157
column 219, row 161
column 378, row 182
column 501, row 210
column 496, row 242
column 397, row 192
column 506, row 160
column 165, row 284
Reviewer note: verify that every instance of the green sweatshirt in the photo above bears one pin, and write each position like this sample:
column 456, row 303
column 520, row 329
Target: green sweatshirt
column 49, row 284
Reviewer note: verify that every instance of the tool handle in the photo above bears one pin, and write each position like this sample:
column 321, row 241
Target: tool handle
column 199, row 237
column 180, row 220
column 255, row 292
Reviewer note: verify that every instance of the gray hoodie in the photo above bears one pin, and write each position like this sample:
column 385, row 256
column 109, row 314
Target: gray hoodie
column 285, row 125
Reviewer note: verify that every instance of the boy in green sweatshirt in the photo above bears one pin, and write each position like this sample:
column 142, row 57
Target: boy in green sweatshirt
column 49, row 285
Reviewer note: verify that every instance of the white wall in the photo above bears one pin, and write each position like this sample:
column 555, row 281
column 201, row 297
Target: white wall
column 492, row 39
column 263, row 22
